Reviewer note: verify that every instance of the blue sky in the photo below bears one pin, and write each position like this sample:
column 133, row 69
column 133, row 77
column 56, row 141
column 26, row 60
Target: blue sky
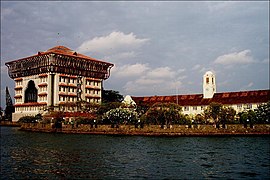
column 158, row 48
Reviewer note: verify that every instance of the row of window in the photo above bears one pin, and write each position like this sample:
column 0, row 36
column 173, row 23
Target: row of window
column 41, row 89
column 92, row 91
column 95, row 100
column 18, row 91
column 43, row 79
column 29, row 108
column 40, row 98
column 194, row 108
column 67, row 80
column 92, row 83
column 239, row 106
column 67, row 89
column 18, row 83
column 67, row 98
column 74, row 90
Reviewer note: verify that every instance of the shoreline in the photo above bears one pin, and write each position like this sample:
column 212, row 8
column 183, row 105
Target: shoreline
column 9, row 124
column 152, row 130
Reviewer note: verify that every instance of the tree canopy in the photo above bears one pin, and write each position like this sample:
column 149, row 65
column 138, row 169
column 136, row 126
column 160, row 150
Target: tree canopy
column 111, row 96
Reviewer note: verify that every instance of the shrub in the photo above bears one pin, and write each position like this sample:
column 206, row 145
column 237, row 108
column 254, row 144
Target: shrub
column 121, row 116
column 27, row 119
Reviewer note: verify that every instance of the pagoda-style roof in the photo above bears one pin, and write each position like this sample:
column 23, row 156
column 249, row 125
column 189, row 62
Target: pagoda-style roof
column 226, row 98
column 59, row 59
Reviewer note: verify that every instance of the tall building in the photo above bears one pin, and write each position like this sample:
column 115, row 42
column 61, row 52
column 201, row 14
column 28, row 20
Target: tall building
column 54, row 77
column 194, row 104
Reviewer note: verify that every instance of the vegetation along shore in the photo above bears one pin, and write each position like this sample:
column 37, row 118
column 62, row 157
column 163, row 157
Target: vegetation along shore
column 160, row 119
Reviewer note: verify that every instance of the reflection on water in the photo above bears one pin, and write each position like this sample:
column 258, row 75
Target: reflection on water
column 62, row 156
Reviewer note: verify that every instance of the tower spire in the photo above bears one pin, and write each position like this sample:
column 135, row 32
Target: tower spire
column 9, row 106
column 209, row 85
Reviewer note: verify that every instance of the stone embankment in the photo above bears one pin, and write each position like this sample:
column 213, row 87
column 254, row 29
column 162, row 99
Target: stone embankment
column 9, row 123
column 152, row 130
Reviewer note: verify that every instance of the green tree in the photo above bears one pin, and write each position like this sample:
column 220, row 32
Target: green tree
column 111, row 96
column 227, row 115
column 248, row 117
column 163, row 114
column 213, row 112
column 263, row 113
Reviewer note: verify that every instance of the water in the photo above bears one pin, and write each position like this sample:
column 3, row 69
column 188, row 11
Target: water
column 69, row 156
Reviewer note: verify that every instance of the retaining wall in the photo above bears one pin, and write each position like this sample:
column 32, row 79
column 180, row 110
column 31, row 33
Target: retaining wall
column 152, row 130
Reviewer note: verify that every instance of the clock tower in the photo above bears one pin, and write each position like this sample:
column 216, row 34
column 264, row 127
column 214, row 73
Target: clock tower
column 209, row 85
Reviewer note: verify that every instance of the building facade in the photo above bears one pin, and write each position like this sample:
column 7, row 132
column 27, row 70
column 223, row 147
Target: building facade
column 57, row 76
column 193, row 104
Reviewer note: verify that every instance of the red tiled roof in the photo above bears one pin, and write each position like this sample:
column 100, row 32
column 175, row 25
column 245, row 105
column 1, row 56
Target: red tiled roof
column 43, row 84
column 62, row 50
column 18, row 87
column 43, row 75
column 18, row 79
column 227, row 98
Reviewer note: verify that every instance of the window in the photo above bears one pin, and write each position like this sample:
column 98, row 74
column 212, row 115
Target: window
column 31, row 92
column 186, row 108
column 195, row 108
column 207, row 80
column 239, row 106
column 249, row 106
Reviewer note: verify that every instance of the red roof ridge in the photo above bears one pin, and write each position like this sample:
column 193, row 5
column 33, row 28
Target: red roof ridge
column 61, row 50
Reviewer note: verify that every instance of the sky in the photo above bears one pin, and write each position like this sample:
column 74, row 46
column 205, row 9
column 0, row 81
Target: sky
column 157, row 48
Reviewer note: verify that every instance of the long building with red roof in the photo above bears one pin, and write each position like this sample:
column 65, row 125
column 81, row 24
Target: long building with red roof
column 55, row 77
column 196, row 103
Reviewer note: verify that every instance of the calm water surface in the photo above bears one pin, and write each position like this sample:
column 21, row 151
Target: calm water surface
column 68, row 156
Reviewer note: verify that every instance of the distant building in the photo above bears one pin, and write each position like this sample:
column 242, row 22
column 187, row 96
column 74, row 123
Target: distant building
column 196, row 103
column 54, row 77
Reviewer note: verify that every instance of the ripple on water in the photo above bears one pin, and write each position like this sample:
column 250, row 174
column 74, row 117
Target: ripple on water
column 56, row 156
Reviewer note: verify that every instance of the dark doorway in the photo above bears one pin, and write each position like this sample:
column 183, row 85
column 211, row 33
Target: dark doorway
column 30, row 92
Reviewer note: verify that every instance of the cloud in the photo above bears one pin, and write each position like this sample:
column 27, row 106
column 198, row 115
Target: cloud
column 114, row 42
column 243, row 57
column 248, row 86
column 5, row 12
column 265, row 61
column 161, row 72
column 196, row 67
column 219, row 6
column 121, row 56
column 155, row 80
column 130, row 70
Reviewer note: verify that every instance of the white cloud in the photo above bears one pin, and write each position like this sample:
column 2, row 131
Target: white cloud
column 265, row 61
column 121, row 56
column 248, row 86
column 154, row 81
column 112, row 43
column 243, row 57
column 161, row 72
column 130, row 70
column 196, row 67
column 219, row 6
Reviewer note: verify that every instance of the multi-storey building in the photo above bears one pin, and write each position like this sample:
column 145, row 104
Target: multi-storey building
column 54, row 77
column 194, row 104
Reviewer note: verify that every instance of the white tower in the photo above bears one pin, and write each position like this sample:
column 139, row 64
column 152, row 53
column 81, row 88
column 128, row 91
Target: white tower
column 209, row 85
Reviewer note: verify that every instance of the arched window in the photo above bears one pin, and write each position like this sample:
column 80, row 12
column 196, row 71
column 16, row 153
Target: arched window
column 30, row 92
column 207, row 80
